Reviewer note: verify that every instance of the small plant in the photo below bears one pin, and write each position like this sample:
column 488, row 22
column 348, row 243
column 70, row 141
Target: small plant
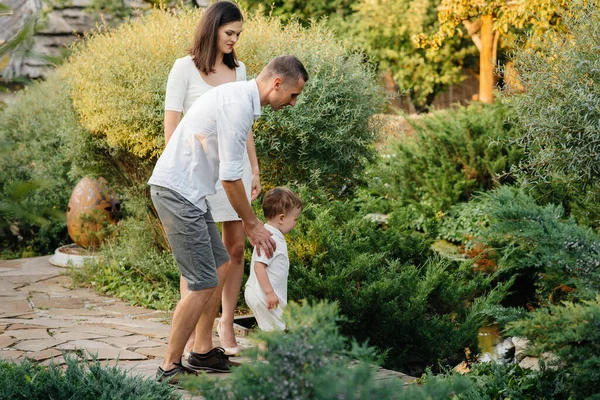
column 496, row 381
column 311, row 361
column 82, row 379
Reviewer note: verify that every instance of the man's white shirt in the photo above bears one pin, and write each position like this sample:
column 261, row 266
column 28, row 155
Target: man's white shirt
column 209, row 142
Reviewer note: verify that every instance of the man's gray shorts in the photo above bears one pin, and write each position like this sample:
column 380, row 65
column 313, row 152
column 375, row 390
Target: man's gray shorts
column 193, row 236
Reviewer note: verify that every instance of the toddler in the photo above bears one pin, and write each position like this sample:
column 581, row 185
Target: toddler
column 266, row 289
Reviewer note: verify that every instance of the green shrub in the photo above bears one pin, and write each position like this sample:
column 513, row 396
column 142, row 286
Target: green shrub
column 571, row 332
column 390, row 288
column 80, row 380
column 495, row 381
column 451, row 155
column 550, row 252
column 558, row 112
column 312, row 361
column 324, row 141
column 35, row 185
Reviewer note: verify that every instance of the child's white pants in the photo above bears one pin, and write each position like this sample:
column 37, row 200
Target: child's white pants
column 268, row 320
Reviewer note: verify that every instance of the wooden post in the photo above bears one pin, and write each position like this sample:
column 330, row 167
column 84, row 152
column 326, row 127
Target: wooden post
column 486, row 64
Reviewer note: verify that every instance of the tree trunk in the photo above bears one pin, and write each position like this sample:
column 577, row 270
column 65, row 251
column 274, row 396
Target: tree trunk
column 486, row 63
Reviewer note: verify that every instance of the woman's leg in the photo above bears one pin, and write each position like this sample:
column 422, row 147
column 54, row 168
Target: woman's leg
column 234, row 239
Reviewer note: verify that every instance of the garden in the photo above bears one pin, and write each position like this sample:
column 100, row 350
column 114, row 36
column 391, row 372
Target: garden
column 413, row 236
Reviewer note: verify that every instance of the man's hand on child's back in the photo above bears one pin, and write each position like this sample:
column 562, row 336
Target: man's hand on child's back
column 272, row 301
column 260, row 237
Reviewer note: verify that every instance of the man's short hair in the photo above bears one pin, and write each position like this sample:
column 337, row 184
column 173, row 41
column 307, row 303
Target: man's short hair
column 288, row 67
column 280, row 200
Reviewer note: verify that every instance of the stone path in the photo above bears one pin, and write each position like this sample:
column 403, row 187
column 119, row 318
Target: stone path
column 41, row 315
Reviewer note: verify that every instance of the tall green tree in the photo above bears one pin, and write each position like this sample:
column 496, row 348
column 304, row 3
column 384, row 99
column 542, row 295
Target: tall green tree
column 485, row 21
column 384, row 28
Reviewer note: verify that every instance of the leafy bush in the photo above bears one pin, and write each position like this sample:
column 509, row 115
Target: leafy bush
column 550, row 252
column 571, row 332
column 390, row 288
column 451, row 155
column 35, row 186
column 559, row 110
column 322, row 141
column 312, row 361
column 80, row 380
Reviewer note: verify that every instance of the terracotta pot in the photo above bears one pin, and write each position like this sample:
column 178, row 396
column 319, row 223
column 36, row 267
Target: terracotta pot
column 92, row 208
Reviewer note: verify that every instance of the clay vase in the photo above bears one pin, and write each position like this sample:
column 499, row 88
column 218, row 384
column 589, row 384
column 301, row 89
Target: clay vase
column 92, row 208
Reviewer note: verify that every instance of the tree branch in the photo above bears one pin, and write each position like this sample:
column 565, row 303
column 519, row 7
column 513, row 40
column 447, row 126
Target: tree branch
column 472, row 29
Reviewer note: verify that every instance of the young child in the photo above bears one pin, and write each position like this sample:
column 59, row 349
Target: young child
column 266, row 289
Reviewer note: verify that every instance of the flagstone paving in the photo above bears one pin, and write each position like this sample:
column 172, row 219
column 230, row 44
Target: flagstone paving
column 42, row 315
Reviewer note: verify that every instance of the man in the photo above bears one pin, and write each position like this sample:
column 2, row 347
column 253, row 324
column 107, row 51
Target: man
column 209, row 143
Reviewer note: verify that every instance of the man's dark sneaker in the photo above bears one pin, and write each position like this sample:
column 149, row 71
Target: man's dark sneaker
column 173, row 375
column 215, row 360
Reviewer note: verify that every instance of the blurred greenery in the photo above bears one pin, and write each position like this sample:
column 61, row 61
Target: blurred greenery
column 385, row 37
column 35, row 184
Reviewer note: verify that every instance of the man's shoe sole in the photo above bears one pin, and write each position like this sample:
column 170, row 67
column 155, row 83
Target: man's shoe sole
column 208, row 369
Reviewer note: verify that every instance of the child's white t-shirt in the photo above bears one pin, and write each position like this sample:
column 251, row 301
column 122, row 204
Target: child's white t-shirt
column 278, row 268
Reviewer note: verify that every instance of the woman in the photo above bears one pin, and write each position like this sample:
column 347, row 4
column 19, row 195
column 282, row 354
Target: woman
column 212, row 62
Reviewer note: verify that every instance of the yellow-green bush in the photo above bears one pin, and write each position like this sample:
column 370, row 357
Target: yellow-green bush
column 118, row 79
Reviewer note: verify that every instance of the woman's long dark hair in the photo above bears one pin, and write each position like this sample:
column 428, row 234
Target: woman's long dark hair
column 204, row 48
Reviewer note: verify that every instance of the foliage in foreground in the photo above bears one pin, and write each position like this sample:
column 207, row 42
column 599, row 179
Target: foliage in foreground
column 81, row 380
column 451, row 155
column 570, row 331
column 311, row 361
column 555, row 258
column 558, row 113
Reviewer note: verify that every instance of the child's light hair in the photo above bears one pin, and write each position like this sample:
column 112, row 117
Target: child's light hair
column 280, row 200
